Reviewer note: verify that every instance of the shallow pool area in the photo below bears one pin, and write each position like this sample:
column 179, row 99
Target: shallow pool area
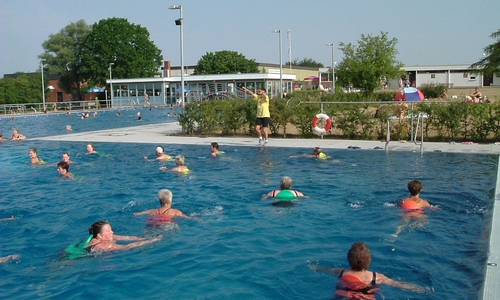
column 240, row 247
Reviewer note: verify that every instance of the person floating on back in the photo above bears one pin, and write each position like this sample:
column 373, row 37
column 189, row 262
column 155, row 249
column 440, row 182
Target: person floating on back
column 358, row 282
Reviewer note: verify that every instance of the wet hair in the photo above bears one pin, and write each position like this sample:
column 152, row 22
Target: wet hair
column 1, row 135
column 286, row 183
column 92, row 145
column 317, row 150
column 63, row 165
column 215, row 145
column 66, row 153
column 415, row 187
column 96, row 228
column 16, row 129
column 165, row 197
column 34, row 150
column 359, row 257
column 179, row 160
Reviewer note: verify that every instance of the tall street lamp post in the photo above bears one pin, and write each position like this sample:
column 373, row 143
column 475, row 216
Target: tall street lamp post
column 43, row 84
column 179, row 22
column 111, row 82
column 333, row 65
column 281, row 63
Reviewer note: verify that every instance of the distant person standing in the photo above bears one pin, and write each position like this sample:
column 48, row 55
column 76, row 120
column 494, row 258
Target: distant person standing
column 146, row 99
column 263, row 115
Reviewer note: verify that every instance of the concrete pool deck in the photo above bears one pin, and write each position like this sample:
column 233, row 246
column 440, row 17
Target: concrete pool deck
column 165, row 134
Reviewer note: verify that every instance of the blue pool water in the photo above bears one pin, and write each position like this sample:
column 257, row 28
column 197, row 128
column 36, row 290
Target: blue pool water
column 240, row 247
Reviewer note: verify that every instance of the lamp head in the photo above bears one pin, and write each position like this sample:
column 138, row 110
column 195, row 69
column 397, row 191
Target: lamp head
column 277, row 31
column 175, row 7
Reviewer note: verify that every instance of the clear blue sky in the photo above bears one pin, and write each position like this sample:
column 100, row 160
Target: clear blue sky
column 434, row 32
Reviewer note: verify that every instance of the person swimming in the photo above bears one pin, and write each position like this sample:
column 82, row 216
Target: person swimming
column 164, row 214
column 160, row 154
column 91, row 149
column 317, row 153
column 104, row 239
column 215, row 149
column 33, row 154
column 180, row 162
column 285, row 186
column 63, row 169
column 358, row 282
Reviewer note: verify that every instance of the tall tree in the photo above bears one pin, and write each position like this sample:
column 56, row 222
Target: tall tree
column 365, row 64
column 63, row 56
column 126, row 45
column 491, row 61
column 306, row 62
column 25, row 88
column 225, row 62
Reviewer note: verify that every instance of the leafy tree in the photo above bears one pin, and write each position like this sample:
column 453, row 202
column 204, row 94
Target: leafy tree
column 225, row 62
column 63, row 56
column 306, row 62
column 26, row 88
column 126, row 45
column 365, row 64
column 490, row 63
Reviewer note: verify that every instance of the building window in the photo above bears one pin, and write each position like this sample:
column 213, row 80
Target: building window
column 472, row 77
column 433, row 75
column 466, row 75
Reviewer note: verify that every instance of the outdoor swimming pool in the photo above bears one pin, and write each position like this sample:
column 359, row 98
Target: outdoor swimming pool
column 240, row 247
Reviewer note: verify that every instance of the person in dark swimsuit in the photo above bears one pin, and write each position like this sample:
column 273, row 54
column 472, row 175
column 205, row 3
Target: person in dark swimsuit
column 16, row 136
column 285, row 184
column 360, row 283
column 165, row 211
column 104, row 239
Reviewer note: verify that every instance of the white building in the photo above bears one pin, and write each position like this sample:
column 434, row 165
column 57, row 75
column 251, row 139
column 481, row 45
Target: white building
column 451, row 76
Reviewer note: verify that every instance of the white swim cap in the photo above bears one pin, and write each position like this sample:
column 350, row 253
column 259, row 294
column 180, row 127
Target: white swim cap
column 159, row 149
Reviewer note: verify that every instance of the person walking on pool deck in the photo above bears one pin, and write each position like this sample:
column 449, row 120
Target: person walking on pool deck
column 104, row 239
column 358, row 282
column 165, row 197
column 285, row 185
column 263, row 115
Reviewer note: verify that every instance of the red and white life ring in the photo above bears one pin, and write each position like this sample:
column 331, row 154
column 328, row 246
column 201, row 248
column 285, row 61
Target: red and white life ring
column 328, row 123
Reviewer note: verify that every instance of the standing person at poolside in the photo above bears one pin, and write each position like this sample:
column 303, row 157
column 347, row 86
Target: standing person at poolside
column 215, row 149
column 160, row 154
column 165, row 197
column 285, row 185
column 263, row 115
column 65, row 157
column 104, row 239
column 16, row 136
column 358, row 282
column 91, row 149
column 33, row 154
column 63, row 169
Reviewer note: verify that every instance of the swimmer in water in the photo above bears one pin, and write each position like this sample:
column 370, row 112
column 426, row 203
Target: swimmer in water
column 317, row 153
column 63, row 169
column 357, row 282
column 215, row 149
column 65, row 157
column 33, row 154
column 285, row 185
column 413, row 206
column 9, row 257
column 68, row 128
column 104, row 239
column 160, row 154
column 179, row 161
column 1, row 137
column 165, row 197
column 90, row 149
column 16, row 136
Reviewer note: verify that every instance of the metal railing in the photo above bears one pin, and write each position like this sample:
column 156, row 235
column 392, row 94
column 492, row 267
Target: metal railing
column 34, row 108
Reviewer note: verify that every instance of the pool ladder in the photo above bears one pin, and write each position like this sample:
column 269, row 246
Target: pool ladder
column 414, row 134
